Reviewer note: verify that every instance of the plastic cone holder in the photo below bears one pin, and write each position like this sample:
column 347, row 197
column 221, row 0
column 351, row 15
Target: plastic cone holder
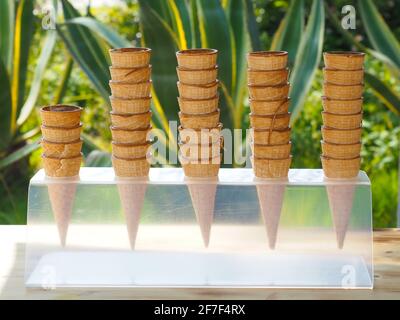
column 305, row 231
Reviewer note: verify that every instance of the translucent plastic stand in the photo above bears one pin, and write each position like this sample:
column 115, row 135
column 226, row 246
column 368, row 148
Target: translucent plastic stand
column 305, row 219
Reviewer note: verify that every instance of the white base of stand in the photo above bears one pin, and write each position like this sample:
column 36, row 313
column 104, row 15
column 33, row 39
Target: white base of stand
column 143, row 269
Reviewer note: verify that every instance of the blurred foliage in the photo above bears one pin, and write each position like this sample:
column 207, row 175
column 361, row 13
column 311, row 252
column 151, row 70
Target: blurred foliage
column 381, row 127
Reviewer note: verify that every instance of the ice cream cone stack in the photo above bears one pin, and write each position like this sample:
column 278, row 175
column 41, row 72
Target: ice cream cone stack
column 61, row 159
column 200, row 146
column 130, row 116
column 270, row 119
column 341, row 131
column 130, row 126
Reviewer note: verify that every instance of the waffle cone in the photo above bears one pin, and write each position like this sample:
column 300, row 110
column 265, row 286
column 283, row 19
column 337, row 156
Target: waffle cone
column 201, row 168
column 278, row 121
column 200, row 121
column 132, row 75
column 201, row 151
column 190, row 106
column 342, row 106
column 267, row 78
column 340, row 92
column 197, row 59
column 203, row 200
column 127, row 90
column 271, row 168
column 270, row 197
column 61, row 167
column 267, row 60
column 340, row 121
column 131, row 106
column 131, row 151
column 344, row 60
column 62, row 195
column 61, row 150
column 136, row 136
column 131, row 121
column 344, row 77
column 277, row 92
column 65, row 116
column 130, row 57
column 341, row 199
column 197, row 77
column 341, row 151
column 276, row 151
column 132, row 196
column 131, row 167
column 269, row 107
column 60, row 134
column 341, row 168
column 200, row 92
column 267, row 136
column 341, row 136
column 200, row 136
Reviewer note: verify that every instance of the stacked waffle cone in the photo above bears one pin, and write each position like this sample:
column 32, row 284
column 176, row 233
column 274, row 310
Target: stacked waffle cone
column 269, row 118
column 342, row 115
column 341, row 132
column 61, row 144
column 200, row 139
column 130, row 116
column 130, row 126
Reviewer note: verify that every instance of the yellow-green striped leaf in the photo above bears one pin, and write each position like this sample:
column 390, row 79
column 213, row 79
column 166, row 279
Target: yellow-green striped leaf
column 84, row 47
column 289, row 33
column 308, row 58
column 378, row 32
column 390, row 98
column 5, row 107
column 7, row 16
column 24, row 29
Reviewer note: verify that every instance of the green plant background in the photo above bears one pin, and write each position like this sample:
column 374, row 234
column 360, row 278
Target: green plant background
column 68, row 78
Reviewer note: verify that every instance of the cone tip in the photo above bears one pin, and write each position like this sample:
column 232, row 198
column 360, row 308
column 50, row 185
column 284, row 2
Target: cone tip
column 272, row 245
column 340, row 243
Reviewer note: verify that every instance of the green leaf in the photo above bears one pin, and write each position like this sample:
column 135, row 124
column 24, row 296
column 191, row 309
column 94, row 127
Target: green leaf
column 308, row 58
column 379, row 34
column 24, row 29
column 99, row 28
column 7, row 16
column 98, row 159
column 289, row 33
column 181, row 22
column 89, row 144
column 240, row 48
column 216, row 33
column 194, row 18
column 84, row 47
column 157, row 36
column 384, row 92
column 41, row 63
column 64, row 81
column 160, row 7
column 18, row 154
column 252, row 26
column 5, row 106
